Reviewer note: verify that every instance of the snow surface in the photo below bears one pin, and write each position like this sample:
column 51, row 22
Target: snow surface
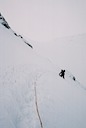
column 61, row 102
column 67, row 53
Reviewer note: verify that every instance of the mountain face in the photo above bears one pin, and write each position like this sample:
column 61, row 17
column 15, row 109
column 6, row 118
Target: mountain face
column 32, row 94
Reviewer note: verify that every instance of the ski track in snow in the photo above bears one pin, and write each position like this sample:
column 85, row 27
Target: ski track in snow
column 32, row 94
column 17, row 91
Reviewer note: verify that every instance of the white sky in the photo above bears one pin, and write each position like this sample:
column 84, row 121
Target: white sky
column 44, row 20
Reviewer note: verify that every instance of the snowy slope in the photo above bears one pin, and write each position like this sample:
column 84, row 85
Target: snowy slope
column 19, row 67
column 28, row 81
column 67, row 53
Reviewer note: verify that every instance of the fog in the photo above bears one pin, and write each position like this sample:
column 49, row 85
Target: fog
column 45, row 20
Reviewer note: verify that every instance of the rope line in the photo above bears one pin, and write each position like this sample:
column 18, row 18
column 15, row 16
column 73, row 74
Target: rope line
column 36, row 103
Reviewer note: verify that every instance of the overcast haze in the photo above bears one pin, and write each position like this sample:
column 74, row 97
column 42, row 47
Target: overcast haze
column 44, row 20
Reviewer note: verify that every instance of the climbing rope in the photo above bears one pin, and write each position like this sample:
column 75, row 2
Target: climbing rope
column 36, row 103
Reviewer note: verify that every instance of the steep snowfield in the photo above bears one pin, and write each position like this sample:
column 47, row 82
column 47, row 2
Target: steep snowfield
column 67, row 53
column 28, row 81
column 19, row 67
column 61, row 104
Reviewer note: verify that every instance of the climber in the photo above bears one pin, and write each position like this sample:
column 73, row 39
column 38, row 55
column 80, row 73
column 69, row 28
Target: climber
column 74, row 78
column 62, row 73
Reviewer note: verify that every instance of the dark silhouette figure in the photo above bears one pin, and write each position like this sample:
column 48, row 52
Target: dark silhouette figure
column 62, row 74
column 74, row 78
column 28, row 44
column 15, row 34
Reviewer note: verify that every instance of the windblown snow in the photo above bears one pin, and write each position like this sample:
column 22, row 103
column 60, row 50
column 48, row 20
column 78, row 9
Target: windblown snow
column 28, row 81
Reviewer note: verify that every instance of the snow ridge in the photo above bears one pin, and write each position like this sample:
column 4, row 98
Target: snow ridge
column 6, row 25
column 4, row 22
column 32, row 94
